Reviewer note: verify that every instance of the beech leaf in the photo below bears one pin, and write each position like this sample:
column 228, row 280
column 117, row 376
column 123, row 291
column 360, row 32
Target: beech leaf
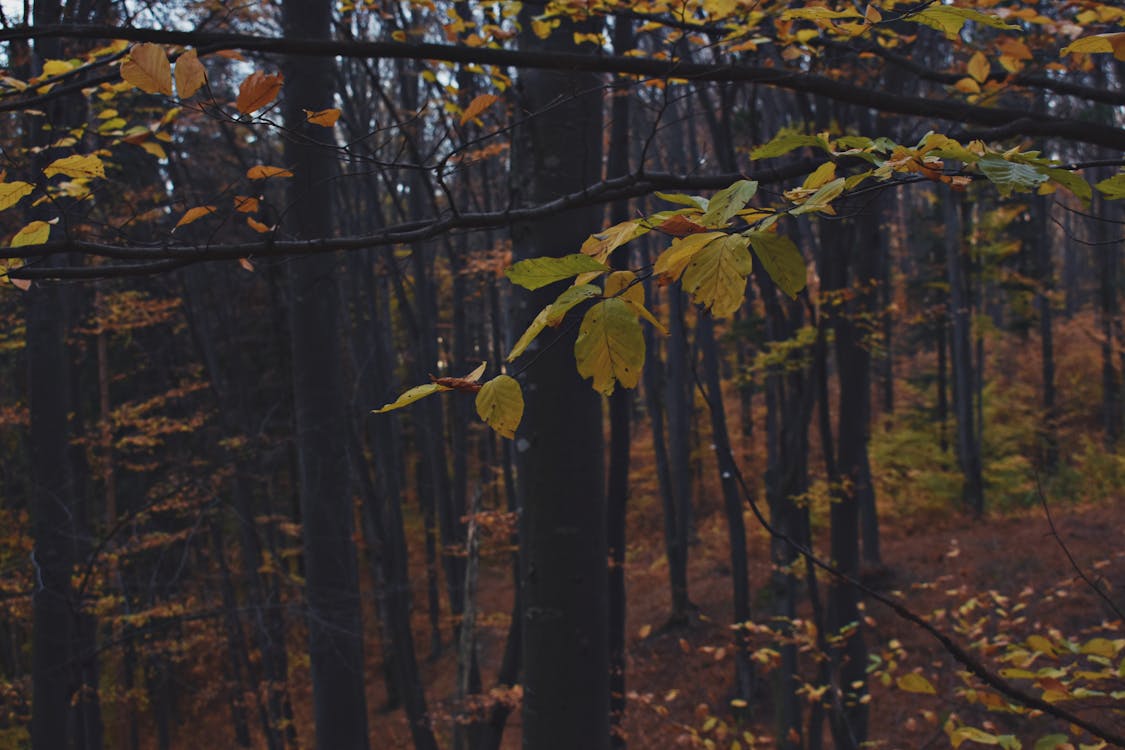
column 326, row 118
column 610, row 346
column 534, row 273
column 258, row 90
column 148, row 69
column 477, row 106
column 500, row 404
column 410, row 396
column 190, row 74
column 35, row 233
column 193, row 214
column 12, row 192
column 915, row 683
column 672, row 262
column 716, row 275
column 76, row 165
column 261, row 172
column 781, row 259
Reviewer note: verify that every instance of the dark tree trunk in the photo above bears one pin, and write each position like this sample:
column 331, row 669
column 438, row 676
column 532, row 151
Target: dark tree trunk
column 620, row 410
column 1044, row 268
column 968, row 450
column 732, row 504
column 334, row 616
column 563, row 530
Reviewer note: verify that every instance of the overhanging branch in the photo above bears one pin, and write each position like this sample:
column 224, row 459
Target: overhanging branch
column 837, row 90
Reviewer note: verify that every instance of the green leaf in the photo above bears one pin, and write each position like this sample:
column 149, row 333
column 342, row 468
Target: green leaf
column 949, row 19
column 534, row 273
column 500, row 405
column 822, row 199
column 728, row 202
column 610, row 346
column 716, row 275
column 694, row 201
column 781, row 259
column 1009, row 176
column 1051, row 741
column 915, row 683
column 784, row 142
column 1073, row 182
column 12, row 192
column 1113, row 188
column 412, row 395
column 568, row 299
column 672, row 262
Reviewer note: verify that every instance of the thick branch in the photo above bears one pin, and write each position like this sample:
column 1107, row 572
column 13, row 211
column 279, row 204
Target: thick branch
column 838, row 90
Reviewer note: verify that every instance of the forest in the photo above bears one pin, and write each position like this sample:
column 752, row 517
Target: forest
column 561, row 374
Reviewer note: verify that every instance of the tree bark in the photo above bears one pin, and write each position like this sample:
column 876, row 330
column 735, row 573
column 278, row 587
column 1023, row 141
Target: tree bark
column 331, row 584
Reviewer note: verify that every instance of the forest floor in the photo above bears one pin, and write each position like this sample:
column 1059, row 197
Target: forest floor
column 679, row 678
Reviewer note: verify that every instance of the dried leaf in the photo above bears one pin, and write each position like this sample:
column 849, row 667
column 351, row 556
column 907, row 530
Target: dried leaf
column 325, row 118
column 477, row 106
column 194, row 214
column 262, row 172
column 257, row 226
column 148, row 69
column 246, row 264
column 245, row 204
column 190, row 74
column 257, row 91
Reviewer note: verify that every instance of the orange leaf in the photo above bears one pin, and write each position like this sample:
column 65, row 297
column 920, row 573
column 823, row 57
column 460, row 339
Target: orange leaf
column 979, row 67
column 325, row 117
column 477, row 106
column 193, row 214
column 261, row 172
column 245, row 204
column 680, row 226
column 148, row 69
column 190, row 75
column 256, row 225
column 257, row 91
column 245, row 263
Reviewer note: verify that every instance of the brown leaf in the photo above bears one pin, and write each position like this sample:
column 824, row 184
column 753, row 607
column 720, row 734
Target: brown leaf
column 148, row 69
column 193, row 214
column 477, row 106
column 257, row 91
column 246, row 264
column 325, row 117
column 681, row 226
column 190, row 75
column 262, row 172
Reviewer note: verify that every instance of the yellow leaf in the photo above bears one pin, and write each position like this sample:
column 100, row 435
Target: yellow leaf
column 261, row 172
column 915, row 683
column 193, row 214
column 77, row 165
column 610, row 346
column 1100, row 43
column 967, row 86
column 529, row 335
column 257, row 226
column 148, row 69
column 1042, row 645
column 872, row 14
column 56, row 67
column 257, row 91
column 245, row 204
column 35, row 233
column 674, row 260
column 716, row 275
column 979, row 67
column 601, row 244
column 826, row 172
column 477, row 106
column 190, row 74
column 12, row 192
column 500, row 404
column 325, row 118
column 622, row 285
column 155, row 149
column 410, row 396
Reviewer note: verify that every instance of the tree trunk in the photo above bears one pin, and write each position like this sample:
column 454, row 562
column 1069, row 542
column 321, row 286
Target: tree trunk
column 563, row 532
column 331, row 585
